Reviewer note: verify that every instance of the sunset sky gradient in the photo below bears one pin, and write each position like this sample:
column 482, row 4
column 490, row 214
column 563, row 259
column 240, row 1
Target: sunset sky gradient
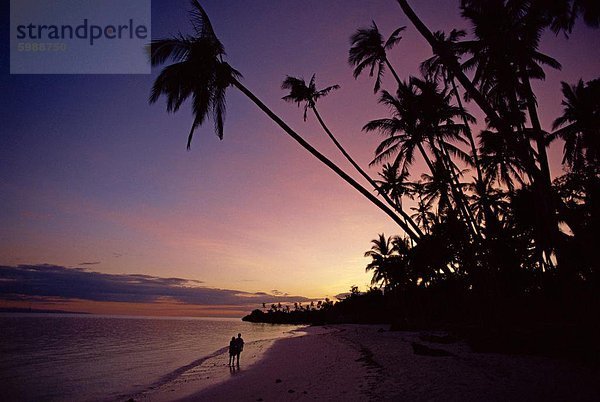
column 93, row 177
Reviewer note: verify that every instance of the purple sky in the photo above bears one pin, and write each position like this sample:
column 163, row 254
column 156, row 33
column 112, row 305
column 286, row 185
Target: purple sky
column 92, row 174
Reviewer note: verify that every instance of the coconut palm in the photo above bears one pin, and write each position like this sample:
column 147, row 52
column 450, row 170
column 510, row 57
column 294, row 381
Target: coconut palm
column 434, row 69
column 381, row 253
column 308, row 95
column 199, row 72
column 423, row 215
column 449, row 59
column 301, row 93
column 501, row 160
column 370, row 51
column 418, row 120
column 490, row 200
column 394, row 183
column 561, row 14
column 435, row 188
column 506, row 58
column 580, row 124
column 422, row 120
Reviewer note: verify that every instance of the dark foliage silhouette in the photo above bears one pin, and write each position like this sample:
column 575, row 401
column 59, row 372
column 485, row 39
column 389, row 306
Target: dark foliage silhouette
column 493, row 241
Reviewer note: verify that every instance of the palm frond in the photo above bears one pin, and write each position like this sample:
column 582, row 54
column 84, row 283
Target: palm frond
column 394, row 38
column 176, row 48
column 170, row 84
column 325, row 91
column 200, row 21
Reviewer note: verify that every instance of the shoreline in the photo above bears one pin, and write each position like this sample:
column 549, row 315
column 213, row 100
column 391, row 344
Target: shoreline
column 207, row 371
column 369, row 362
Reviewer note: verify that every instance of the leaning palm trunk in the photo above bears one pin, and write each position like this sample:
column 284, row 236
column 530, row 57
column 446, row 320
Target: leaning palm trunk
column 490, row 218
column 323, row 159
column 474, row 152
column 452, row 64
column 539, row 133
column 364, row 174
column 457, row 194
column 389, row 65
column 432, row 170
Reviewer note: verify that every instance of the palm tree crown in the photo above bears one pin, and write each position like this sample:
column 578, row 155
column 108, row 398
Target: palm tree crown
column 302, row 93
column 198, row 71
column 505, row 51
column 421, row 114
column 369, row 50
column 434, row 67
column 580, row 123
column 381, row 254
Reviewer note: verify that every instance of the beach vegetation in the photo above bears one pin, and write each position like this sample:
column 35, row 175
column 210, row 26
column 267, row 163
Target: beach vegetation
column 495, row 236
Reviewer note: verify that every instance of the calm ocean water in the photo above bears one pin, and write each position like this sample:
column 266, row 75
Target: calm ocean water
column 55, row 357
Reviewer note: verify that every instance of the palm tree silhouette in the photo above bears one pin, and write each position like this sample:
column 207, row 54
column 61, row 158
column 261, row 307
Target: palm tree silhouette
column 307, row 94
column 301, row 93
column 505, row 57
column 415, row 123
column 580, row 124
column 369, row 50
column 561, row 14
column 449, row 59
column 200, row 72
column 434, row 69
column 381, row 253
column 435, row 188
column 423, row 215
column 492, row 201
column 501, row 160
column 421, row 117
column 395, row 183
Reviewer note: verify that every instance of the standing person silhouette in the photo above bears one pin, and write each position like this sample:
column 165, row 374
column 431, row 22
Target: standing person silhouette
column 239, row 347
column 232, row 350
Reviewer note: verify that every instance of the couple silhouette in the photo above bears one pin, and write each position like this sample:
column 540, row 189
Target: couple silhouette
column 236, row 345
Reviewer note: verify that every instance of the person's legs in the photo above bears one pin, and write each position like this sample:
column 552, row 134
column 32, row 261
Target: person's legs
column 238, row 359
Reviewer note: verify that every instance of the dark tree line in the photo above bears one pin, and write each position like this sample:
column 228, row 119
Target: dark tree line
column 484, row 231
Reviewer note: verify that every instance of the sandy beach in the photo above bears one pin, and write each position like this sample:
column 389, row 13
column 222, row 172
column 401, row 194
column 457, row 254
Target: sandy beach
column 357, row 363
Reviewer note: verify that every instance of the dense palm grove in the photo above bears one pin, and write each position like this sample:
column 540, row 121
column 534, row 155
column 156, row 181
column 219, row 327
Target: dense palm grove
column 494, row 228
column 484, row 231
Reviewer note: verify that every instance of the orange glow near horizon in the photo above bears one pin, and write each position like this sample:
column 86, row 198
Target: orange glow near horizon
column 96, row 178
column 157, row 309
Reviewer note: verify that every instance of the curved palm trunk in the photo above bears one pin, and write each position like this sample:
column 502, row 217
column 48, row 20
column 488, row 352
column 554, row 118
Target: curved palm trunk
column 322, row 157
column 364, row 174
